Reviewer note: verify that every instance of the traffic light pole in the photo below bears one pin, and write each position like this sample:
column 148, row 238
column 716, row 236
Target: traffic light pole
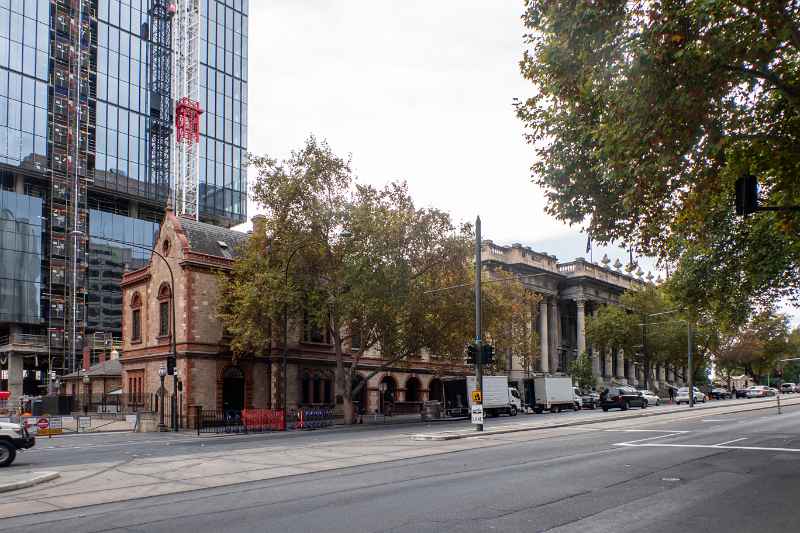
column 478, row 339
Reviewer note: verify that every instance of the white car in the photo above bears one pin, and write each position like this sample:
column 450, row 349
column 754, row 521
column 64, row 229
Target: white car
column 682, row 396
column 651, row 397
column 760, row 391
column 788, row 388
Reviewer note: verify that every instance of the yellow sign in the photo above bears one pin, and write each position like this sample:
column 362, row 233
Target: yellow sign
column 476, row 397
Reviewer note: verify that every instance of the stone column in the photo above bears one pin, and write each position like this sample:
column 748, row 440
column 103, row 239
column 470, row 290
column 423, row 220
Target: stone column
column 608, row 354
column 671, row 374
column 620, row 355
column 581, row 326
column 15, row 375
column 555, row 332
column 544, row 360
column 662, row 373
column 594, row 355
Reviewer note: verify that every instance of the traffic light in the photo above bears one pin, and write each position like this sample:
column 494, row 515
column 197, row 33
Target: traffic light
column 472, row 354
column 746, row 195
column 170, row 365
column 488, row 354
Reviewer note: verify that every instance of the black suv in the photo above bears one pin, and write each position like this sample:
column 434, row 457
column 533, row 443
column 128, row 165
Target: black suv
column 621, row 398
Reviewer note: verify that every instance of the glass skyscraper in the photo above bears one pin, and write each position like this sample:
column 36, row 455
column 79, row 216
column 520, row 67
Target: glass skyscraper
column 74, row 78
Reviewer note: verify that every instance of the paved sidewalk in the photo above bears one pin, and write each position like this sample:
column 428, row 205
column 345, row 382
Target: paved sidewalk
column 20, row 480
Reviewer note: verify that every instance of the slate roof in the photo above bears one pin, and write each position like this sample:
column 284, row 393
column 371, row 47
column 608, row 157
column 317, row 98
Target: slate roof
column 110, row 368
column 212, row 240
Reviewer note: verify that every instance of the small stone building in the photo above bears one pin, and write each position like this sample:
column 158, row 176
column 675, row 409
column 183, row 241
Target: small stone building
column 208, row 375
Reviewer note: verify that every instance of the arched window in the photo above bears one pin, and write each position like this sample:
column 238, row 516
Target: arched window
column 165, row 247
column 136, row 318
column 164, row 295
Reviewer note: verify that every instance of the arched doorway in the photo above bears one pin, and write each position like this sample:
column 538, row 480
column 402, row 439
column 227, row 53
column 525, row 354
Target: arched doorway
column 435, row 390
column 232, row 390
column 388, row 394
column 413, row 387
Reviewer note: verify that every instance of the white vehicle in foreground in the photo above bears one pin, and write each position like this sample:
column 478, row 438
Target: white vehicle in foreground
column 651, row 397
column 682, row 396
column 13, row 437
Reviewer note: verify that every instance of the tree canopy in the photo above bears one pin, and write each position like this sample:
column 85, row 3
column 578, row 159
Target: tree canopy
column 644, row 115
column 360, row 264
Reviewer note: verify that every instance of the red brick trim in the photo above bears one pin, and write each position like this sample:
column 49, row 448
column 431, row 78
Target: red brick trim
column 188, row 307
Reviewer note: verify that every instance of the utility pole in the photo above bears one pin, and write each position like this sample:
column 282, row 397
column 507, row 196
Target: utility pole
column 644, row 353
column 691, row 367
column 478, row 337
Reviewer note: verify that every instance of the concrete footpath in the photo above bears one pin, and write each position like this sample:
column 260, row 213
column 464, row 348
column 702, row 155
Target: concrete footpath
column 138, row 477
column 11, row 480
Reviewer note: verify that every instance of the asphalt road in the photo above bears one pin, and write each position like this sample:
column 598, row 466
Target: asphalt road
column 98, row 448
column 723, row 473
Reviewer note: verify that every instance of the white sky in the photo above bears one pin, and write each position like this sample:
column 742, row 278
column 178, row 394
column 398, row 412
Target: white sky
column 419, row 90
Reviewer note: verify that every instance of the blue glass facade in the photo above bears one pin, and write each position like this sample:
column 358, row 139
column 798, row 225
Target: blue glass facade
column 38, row 96
column 123, row 105
column 109, row 259
column 20, row 257
column 223, row 97
column 24, row 70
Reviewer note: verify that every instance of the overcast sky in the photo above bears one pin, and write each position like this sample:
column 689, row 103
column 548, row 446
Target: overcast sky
column 418, row 90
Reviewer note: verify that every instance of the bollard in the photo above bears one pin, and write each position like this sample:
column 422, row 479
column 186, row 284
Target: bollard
column 778, row 396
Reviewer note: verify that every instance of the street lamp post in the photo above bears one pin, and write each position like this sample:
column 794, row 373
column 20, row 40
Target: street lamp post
column 162, row 373
column 87, row 382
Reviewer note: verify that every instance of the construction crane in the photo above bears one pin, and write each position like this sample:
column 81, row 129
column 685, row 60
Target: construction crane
column 186, row 88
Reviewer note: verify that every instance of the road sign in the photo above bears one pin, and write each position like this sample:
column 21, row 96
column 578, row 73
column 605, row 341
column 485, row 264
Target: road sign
column 477, row 414
column 84, row 422
column 43, row 423
column 476, row 397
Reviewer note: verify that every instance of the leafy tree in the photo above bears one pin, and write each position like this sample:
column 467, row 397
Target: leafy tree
column 581, row 371
column 757, row 348
column 646, row 113
column 664, row 341
column 363, row 265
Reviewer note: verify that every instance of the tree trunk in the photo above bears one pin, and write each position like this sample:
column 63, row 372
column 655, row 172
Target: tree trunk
column 343, row 379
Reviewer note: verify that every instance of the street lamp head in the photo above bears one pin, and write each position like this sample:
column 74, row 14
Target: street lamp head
column 162, row 372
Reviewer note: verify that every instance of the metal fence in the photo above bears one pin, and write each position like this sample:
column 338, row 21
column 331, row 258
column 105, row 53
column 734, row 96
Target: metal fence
column 220, row 421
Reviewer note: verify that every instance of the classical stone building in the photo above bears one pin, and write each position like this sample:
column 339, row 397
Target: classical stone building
column 570, row 292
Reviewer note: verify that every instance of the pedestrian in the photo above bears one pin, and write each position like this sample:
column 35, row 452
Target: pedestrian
column 733, row 393
column 672, row 395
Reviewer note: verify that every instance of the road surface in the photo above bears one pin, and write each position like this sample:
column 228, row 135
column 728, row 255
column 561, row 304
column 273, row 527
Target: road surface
column 720, row 472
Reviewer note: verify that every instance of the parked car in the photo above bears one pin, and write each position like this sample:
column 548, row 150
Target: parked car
column 773, row 391
column 797, row 388
column 682, row 396
column 621, row 398
column 788, row 388
column 760, row 391
column 651, row 397
column 720, row 393
column 587, row 400
column 741, row 393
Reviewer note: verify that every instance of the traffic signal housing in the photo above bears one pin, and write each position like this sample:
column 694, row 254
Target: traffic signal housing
column 488, row 354
column 472, row 353
column 746, row 195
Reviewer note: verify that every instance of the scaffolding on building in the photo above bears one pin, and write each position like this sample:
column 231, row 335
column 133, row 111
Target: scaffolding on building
column 72, row 140
column 186, row 88
column 161, row 13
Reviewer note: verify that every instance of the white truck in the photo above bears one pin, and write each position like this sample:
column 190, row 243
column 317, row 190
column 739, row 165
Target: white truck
column 554, row 393
column 498, row 397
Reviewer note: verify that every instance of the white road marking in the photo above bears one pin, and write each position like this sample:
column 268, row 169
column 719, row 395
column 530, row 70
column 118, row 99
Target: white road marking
column 709, row 446
column 730, row 441
column 714, row 420
column 633, row 442
column 648, row 430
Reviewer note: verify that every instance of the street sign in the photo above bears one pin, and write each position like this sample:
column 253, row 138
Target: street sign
column 476, row 397
column 84, row 422
column 477, row 414
column 43, row 423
